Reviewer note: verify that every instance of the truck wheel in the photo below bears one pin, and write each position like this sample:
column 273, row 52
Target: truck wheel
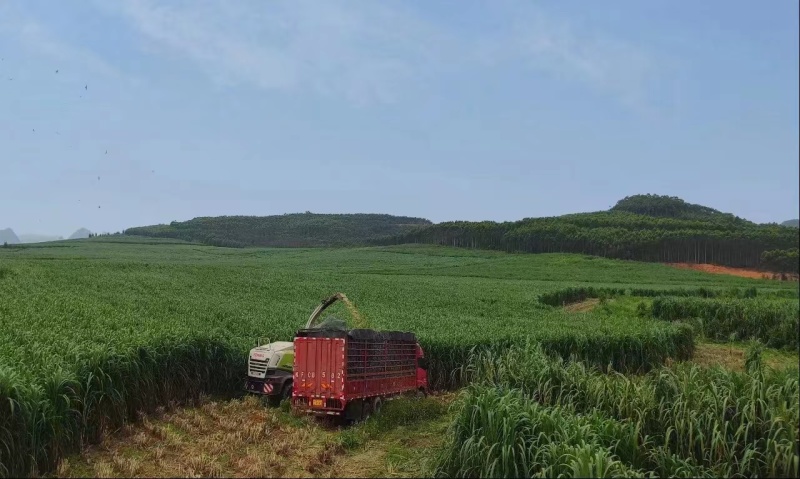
column 421, row 394
column 366, row 411
column 377, row 405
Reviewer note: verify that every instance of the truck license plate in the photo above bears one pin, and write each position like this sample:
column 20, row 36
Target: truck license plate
column 316, row 402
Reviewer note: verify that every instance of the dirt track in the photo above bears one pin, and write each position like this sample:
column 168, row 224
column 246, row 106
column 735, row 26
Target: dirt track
column 710, row 268
column 583, row 306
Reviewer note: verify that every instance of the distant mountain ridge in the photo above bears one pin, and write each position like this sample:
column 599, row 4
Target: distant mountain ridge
column 795, row 223
column 8, row 236
column 36, row 238
column 80, row 233
column 639, row 227
column 288, row 230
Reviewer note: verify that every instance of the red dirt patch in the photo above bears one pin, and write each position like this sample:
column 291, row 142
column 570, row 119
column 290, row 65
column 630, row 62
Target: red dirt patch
column 741, row 272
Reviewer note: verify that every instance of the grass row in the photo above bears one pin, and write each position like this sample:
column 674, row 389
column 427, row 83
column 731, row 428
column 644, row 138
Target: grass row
column 775, row 323
column 531, row 415
column 621, row 343
column 571, row 295
column 41, row 422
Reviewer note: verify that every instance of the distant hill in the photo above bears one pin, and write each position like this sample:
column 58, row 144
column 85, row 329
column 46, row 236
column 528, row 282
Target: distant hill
column 642, row 228
column 8, row 236
column 34, row 238
column 288, row 230
column 673, row 207
column 81, row 233
column 795, row 223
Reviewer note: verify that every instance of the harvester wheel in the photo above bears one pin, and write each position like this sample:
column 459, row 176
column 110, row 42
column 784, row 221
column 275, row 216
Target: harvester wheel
column 275, row 400
column 286, row 393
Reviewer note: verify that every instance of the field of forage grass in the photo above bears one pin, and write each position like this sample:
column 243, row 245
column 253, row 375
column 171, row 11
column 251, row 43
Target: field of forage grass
column 527, row 414
column 717, row 314
column 93, row 332
column 774, row 322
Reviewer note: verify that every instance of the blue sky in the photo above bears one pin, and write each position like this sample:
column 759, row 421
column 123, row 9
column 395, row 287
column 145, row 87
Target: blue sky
column 468, row 110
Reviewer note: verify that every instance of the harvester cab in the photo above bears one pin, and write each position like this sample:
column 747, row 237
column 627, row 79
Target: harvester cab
column 269, row 366
column 269, row 370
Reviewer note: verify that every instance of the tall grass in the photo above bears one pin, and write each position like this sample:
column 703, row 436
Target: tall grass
column 500, row 433
column 740, row 293
column 625, row 346
column 773, row 322
column 682, row 420
column 564, row 296
column 41, row 422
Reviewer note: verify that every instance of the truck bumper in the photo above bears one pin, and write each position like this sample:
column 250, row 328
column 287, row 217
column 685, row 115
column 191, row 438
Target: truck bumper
column 264, row 387
column 318, row 406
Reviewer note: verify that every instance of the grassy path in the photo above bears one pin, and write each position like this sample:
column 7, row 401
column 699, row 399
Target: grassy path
column 242, row 438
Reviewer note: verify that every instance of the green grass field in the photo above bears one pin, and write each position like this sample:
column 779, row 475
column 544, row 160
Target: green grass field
column 94, row 331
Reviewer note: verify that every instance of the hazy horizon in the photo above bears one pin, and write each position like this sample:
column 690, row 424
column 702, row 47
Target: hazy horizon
column 131, row 113
column 54, row 237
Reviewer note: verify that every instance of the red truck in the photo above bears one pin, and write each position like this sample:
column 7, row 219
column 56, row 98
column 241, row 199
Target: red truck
column 348, row 373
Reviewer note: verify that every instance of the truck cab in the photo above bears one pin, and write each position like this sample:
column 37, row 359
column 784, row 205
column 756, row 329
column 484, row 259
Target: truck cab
column 269, row 371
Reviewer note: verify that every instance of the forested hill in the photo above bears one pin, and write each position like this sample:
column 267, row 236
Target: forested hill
column 642, row 228
column 675, row 208
column 791, row 223
column 288, row 230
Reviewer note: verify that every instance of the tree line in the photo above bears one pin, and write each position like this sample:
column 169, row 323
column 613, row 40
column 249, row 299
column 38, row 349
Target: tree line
column 693, row 234
column 288, row 230
column 641, row 227
column 782, row 261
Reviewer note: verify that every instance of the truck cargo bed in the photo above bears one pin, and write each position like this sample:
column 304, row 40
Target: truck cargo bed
column 334, row 368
